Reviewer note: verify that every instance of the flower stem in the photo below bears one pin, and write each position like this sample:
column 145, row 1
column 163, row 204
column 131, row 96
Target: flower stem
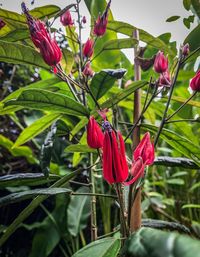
column 180, row 107
column 168, row 101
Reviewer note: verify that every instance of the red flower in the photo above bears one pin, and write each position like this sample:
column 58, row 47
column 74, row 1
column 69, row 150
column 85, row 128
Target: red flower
column 195, row 82
column 186, row 49
column 88, row 48
column 88, row 72
column 41, row 38
column 66, row 19
column 115, row 168
column 160, row 63
column 94, row 134
column 143, row 156
column 2, row 23
column 101, row 23
column 165, row 79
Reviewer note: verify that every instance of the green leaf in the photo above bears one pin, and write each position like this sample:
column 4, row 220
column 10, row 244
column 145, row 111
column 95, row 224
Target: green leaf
column 36, row 128
column 173, row 18
column 186, row 4
column 18, row 151
column 20, row 54
column 33, row 205
column 121, row 43
column 107, row 247
column 18, row 197
column 48, row 101
column 195, row 5
column 79, row 205
column 45, row 11
column 178, row 142
column 193, row 38
column 195, row 186
column 127, row 29
column 104, row 80
column 79, row 149
column 175, row 181
column 116, row 98
column 149, row 242
column 25, row 179
column 67, row 61
column 189, row 206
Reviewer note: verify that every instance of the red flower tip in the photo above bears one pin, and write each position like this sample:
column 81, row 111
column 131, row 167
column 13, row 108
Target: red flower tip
column 101, row 22
column 195, row 82
column 115, row 167
column 88, row 72
column 41, row 38
column 88, row 48
column 102, row 113
column 165, row 79
column 160, row 63
column 66, row 19
column 95, row 136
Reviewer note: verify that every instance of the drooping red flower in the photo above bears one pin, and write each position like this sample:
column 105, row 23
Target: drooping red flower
column 66, row 19
column 143, row 156
column 88, row 48
column 41, row 38
column 87, row 71
column 115, row 167
column 2, row 23
column 165, row 79
column 95, row 136
column 186, row 49
column 101, row 22
column 160, row 63
column 195, row 82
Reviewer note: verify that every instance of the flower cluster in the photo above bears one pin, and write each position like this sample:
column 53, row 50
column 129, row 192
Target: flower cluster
column 115, row 167
column 41, row 38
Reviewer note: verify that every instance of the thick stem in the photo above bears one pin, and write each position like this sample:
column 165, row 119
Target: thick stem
column 168, row 102
column 93, row 204
column 135, row 214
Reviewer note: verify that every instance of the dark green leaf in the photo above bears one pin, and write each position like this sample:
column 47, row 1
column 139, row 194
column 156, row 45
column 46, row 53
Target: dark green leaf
column 80, row 206
column 25, row 179
column 195, row 5
column 45, row 100
column 104, row 80
column 193, row 38
column 107, row 247
column 17, row 197
column 121, row 43
column 127, row 29
column 173, row 18
column 149, row 242
column 186, row 4
column 20, row 54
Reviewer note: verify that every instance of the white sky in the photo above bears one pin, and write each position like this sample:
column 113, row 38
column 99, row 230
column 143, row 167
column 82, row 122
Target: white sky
column 149, row 15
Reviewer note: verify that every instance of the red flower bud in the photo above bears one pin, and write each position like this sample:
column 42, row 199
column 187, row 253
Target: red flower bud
column 88, row 48
column 101, row 23
column 94, row 134
column 84, row 20
column 160, row 63
column 66, row 19
column 2, row 23
column 186, row 49
column 88, row 72
column 165, row 79
column 41, row 38
column 115, row 168
column 143, row 156
column 195, row 82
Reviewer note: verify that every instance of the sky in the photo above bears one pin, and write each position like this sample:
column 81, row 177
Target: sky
column 149, row 15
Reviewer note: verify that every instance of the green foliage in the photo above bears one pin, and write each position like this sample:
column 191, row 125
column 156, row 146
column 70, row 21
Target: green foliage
column 173, row 18
column 155, row 243
column 108, row 247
